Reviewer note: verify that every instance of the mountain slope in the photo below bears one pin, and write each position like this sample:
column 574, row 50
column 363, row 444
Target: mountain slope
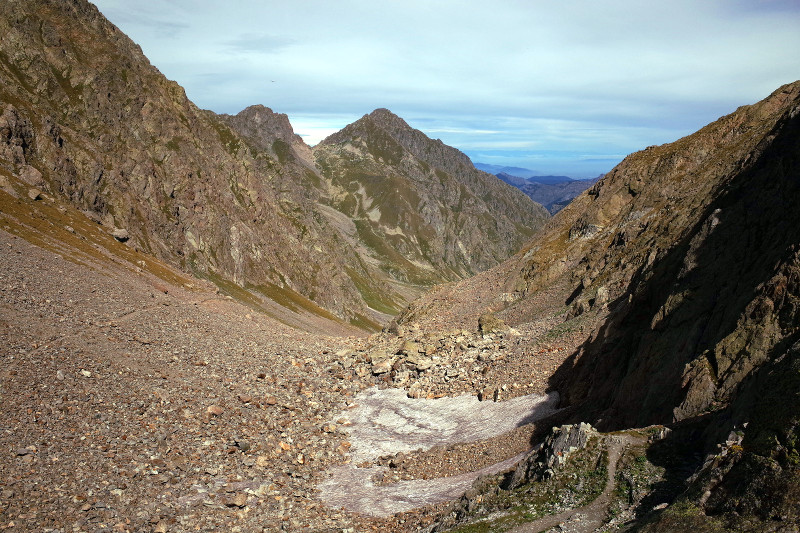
column 238, row 200
column 436, row 217
column 105, row 129
column 671, row 289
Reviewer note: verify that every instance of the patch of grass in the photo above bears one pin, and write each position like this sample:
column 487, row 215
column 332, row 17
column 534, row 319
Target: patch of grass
column 173, row 144
column 226, row 136
column 565, row 328
column 377, row 300
column 392, row 261
column 293, row 300
column 16, row 72
column 73, row 93
column 362, row 322
column 282, row 150
column 577, row 483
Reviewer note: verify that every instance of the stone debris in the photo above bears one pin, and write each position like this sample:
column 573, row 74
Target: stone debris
column 120, row 234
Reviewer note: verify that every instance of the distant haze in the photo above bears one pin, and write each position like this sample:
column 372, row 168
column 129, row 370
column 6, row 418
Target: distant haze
column 557, row 87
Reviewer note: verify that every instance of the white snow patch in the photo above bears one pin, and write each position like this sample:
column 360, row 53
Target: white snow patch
column 385, row 422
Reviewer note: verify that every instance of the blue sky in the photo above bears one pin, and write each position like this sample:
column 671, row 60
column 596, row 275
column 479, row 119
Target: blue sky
column 566, row 87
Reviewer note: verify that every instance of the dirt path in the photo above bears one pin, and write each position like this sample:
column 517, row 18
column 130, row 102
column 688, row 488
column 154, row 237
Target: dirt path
column 588, row 518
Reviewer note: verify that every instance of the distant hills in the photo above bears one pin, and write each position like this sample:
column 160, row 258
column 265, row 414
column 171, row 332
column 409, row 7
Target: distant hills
column 514, row 171
column 553, row 192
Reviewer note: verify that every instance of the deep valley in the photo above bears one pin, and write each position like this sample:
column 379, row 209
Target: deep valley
column 208, row 325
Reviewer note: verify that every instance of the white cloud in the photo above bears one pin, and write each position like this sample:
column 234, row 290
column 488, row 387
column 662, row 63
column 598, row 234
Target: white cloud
column 612, row 76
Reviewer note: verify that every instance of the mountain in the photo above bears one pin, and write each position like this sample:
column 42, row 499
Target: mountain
column 660, row 309
column 549, row 180
column 513, row 171
column 421, row 211
column 553, row 192
column 668, row 294
column 237, row 200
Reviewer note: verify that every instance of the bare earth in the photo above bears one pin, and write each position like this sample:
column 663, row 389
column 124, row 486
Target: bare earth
column 140, row 403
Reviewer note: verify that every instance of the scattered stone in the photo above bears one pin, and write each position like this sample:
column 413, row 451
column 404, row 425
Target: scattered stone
column 488, row 323
column 86, row 373
column 420, row 362
column 245, row 398
column 34, row 194
column 30, row 175
column 383, row 366
column 237, row 500
column 409, row 348
column 60, row 375
column 214, row 410
column 602, row 297
column 26, row 451
column 120, row 234
column 541, row 463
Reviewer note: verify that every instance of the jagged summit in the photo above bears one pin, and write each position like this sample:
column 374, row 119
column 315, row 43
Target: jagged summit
column 383, row 122
column 262, row 124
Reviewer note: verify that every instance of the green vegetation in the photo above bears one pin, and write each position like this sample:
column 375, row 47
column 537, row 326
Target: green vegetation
column 173, row 144
column 392, row 261
column 17, row 73
column 282, row 150
column 374, row 298
column 577, row 483
column 73, row 93
column 362, row 322
column 292, row 300
column 226, row 136
column 636, row 477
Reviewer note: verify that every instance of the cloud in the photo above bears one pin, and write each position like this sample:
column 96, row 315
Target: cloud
column 262, row 43
column 596, row 77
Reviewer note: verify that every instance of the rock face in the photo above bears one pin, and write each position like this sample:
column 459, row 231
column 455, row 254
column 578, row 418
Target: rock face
column 697, row 253
column 234, row 199
column 420, row 208
column 683, row 266
column 553, row 452
column 83, row 106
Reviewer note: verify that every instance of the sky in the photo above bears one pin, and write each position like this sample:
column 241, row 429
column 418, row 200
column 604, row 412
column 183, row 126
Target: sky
column 560, row 87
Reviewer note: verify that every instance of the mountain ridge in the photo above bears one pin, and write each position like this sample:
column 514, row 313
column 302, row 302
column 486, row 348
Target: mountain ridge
column 235, row 199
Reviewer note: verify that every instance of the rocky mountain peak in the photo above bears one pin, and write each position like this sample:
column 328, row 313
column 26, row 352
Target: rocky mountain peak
column 387, row 120
column 261, row 122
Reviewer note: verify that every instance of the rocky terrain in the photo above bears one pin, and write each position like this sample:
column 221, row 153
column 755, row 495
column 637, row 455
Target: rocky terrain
column 679, row 269
column 419, row 207
column 184, row 298
column 235, row 200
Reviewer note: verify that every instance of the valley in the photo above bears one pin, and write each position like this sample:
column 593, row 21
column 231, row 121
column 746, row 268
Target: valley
column 208, row 325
